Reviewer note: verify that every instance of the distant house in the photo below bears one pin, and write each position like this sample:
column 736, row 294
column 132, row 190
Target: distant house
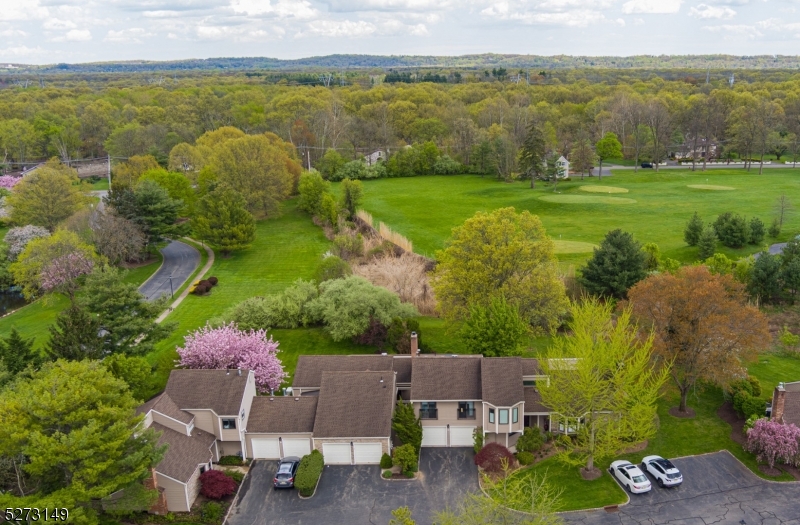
column 786, row 403
column 563, row 166
column 374, row 157
column 689, row 150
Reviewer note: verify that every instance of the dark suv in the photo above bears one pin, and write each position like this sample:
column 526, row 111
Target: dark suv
column 284, row 479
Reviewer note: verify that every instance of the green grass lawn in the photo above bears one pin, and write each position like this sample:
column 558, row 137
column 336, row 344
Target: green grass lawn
column 100, row 185
column 425, row 209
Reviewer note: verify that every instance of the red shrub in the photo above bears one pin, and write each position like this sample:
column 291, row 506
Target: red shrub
column 490, row 458
column 215, row 484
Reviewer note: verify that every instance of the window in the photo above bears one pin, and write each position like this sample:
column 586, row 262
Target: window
column 491, row 415
column 427, row 410
column 228, row 424
column 202, row 468
column 504, row 416
column 466, row 410
column 529, row 382
column 515, row 415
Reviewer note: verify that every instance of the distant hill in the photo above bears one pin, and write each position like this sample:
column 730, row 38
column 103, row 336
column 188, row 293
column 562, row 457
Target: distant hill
column 488, row 60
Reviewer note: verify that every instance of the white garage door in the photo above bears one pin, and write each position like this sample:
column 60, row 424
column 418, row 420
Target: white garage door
column 367, row 453
column 336, row 453
column 434, row 436
column 266, row 448
column 296, row 447
column 461, row 436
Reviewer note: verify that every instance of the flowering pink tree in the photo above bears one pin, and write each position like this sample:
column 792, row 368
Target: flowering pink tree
column 7, row 182
column 62, row 273
column 18, row 238
column 774, row 442
column 229, row 347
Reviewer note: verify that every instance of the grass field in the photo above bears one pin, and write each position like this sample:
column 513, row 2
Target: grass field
column 425, row 209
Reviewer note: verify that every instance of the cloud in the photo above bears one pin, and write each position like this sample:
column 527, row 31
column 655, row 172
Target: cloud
column 162, row 14
column 78, row 35
column 58, row 24
column 735, row 30
column 570, row 18
column 709, row 11
column 337, row 28
column 23, row 51
column 652, row 6
column 349, row 6
column 127, row 35
column 558, row 5
column 282, row 8
column 12, row 33
column 22, row 10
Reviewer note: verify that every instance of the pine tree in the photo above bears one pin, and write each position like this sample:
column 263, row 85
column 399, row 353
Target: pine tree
column 532, row 154
column 74, row 336
column 693, row 230
column 757, row 230
column 406, row 425
column 17, row 353
column 223, row 221
column 616, row 265
column 706, row 243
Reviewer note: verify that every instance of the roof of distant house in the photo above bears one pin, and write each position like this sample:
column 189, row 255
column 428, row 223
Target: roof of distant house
column 219, row 390
column 442, row 378
column 282, row 414
column 355, row 405
column 184, row 452
column 163, row 404
column 308, row 372
column 501, row 380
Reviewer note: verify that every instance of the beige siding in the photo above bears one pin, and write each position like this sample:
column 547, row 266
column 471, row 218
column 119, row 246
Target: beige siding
column 229, row 434
column 249, row 439
column 229, row 448
column 384, row 442
column 448, row 415
column 496, row 426
column 148, row 419
column 168, row 422
column 175, row 493
column 247, row 402
column 206, row 420
column 193, row 486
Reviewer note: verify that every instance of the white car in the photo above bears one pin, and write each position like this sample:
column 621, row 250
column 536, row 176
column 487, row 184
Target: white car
column 630, row 477
column 664, row 472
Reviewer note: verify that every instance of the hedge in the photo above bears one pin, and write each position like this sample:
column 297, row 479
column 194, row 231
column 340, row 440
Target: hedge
column 308, row 473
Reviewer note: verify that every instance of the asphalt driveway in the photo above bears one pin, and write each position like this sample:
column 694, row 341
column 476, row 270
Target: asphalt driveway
column 349, row 495
column 180, row 262
column 716, row 489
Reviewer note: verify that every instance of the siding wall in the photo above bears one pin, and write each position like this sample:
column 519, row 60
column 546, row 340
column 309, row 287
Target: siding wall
column 168, row 422
column 247, row 402
column 229, row 448
column 496, row 426
column 448, row 415
column 193, row 486
column 229, row 435
column 205, row 420
column 175, row 493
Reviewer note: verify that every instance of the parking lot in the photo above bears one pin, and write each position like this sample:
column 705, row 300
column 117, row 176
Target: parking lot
column 716, row 489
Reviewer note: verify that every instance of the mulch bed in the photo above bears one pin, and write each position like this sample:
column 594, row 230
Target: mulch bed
column 132, row 265
column 689, row 414
column 638, row 447
column 729, row 415
column 589, row 475
column 770, row 471
column 793, row 471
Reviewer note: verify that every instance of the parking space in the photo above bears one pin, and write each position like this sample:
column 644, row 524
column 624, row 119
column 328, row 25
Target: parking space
column 717, row 489
column 355, row 494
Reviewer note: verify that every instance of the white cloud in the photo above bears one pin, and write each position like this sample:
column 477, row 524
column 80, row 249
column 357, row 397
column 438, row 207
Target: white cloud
column 78, row 35
column 570, row 18
column 343, row 28
column 22, row 10
column 127, row 35
column 58, row 24
column 652, row 6
column 710, row 11
column 558, row 5
column 301, row 9
column 347, row 6
column 22, row 51
column 162, row 14
column 12, row 33
column 735, row 30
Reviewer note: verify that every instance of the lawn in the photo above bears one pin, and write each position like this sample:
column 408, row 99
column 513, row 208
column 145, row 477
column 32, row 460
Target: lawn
column 425, row 209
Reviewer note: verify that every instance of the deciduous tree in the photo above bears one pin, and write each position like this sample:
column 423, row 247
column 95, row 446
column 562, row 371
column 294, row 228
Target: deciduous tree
column 607, row 147
column 223, row 221
column 46, row 197
column 494, row 330
column 352, row 195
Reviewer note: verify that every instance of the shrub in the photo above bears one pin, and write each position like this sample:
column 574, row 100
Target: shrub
column 332, row 267
column 200, row 289
column 406, row 425
column 287, row 309
column 386, row 461
column 308, row 473
column 206, row 283
column 531, row 440
column 732, row 230
column 477, row 439
column 775, row 228
column 718, row 264
column 353, row 170
column 374, row 335
column 405, row 457
column 525, row 458
column 230, row 460
column 693, row 230
column 398, row 335
column 707, row 243
column 235, row 475
column 757, row 231
column 213, row 281
column 212, row 512
column 652, row 256
column 753, row 406
column 214, row 484
column 386, row 473
column 348, row 246
column 494, row 457
column 445, row 165
column 772, row 442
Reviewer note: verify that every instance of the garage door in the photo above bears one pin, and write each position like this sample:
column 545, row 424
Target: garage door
column 367, row 453
column 461, row 436
column 266, row 448
column 296, row 447
column 336, row 453
column 434, row 436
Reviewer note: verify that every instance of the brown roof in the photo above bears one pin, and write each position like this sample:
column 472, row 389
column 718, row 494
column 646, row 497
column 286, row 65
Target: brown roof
column 446, row 378
column 530, row 367
column 282, row 414
column 402, row 365
column 355, row 404
column 163, row 404
column 184, row 452
column 791, row 408
column 308, row 372
column 533, row 400
column 501, row 380
column 219, row 390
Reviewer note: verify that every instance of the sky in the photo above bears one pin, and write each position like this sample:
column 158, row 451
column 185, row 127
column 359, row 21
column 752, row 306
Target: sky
column 72, row 31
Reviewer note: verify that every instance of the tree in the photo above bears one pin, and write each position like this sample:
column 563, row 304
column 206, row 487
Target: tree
column 532, row 153
column 406, row 425
column 494, row 457
column 652, row 257
column 494, row 330
column 126, row 317
column 406, row 458
column 75, row 337
column 17, row 238
column 82, row 438
column 757, row 231
column 46, row 197
column 223, row 221
column 773, row 442
column 732, row 230
column 178, row 186
column 583, row 157
column 402, row 516
column 610, row 406
column 352, row 194
column 150, row 207
column 783, row 208
column 312, row 189
column 117, row 238
column 501, row 253
column 330, row 163
column 790, row 277
column 332, row 267
column 17, row 353
column 615, row 266
column 62, row 273
column 691, row 234
column 703, row 325
column 607, row 147
column 707, row 243
column 128, row 172
column 658, row 121
column 765, row 283
column 229, row 347
column 136, row 371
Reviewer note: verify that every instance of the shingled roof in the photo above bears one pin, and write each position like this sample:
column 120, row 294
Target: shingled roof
column 354, row 405
column 446, row 378
column 402, row 365
column 308, row 372
column 219, row 390
column 530, row 367
column 184, row 452
column 501, row 379
column 164, row 404
column 533, row 400
column 282, row 414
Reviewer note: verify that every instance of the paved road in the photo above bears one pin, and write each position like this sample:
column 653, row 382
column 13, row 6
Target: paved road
column 357, row 495
column 180, row 262
column 717, row 489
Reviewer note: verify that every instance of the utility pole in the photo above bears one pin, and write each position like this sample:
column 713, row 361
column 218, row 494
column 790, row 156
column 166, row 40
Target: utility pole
column 108, row 159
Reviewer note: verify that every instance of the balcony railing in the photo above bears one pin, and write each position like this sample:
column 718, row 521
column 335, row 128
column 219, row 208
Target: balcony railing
column 429, row 413
column 466, row 414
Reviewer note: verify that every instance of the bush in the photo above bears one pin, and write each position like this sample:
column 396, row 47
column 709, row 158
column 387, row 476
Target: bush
column 200, row 289
column 531, row 440
column 525, row 458
column 405, row 457
column 693, row 230
column 477, row 439
column 206, row 283
column 213, row 281
column 212, row 512
column 398, row 335
column 386, row 461
column 308, row 473
column 230, row 460
column 353, row 170
column 445, row 165
column 288, row 309
column 348, row 246
column 707, row 243
column 775, row 228
column 757, row 231
column 386, row 473
column 332, row 267
column 235, row 475
column 494, row 457
column 406, row 425
column 374, row 335
column 732, row 230
column 214, row 484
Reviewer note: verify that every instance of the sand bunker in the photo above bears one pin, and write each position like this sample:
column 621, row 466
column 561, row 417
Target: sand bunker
column 574, row 247
column 585, row 199
column 711, row 187
column 603, row 189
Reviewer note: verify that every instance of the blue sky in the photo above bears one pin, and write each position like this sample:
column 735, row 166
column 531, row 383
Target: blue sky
column 49, row 31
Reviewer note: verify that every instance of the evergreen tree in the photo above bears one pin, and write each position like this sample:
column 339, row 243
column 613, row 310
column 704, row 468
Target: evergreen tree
column 757, row 231
column 693, row 230
column 706, row 243
column 75, row 336
column 532, row 154
column 17, row 353
column 790, row 276
column 151, row 208
column 352, row 194
column 775, row 228
column 616, row 265
column 765, row 280
column 406, row 425
column 223, row 221
column 732, row 230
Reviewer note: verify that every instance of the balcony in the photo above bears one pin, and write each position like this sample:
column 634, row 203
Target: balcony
column 468, row 413
column 429, row 413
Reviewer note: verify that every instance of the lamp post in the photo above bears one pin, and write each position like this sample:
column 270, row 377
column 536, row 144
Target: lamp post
column 171, row 291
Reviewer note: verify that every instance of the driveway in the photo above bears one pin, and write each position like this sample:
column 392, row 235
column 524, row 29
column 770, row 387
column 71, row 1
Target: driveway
column 180, row 262
column 717, row 489
column 349, row 495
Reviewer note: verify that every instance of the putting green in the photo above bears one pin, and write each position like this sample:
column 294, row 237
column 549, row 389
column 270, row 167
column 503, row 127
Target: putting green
column 603, row 189
column 711, row 187
column 585, row 199
column 574, row 247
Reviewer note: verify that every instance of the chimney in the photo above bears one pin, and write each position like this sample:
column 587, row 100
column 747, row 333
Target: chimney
column 414, row 344
column 778, row 402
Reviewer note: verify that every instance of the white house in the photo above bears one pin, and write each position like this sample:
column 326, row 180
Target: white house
column 563, row 167
column 374, row 157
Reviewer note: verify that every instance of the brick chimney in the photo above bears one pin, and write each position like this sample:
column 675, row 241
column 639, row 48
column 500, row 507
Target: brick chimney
column 160, row 505
column 778, row 402
column 414, row 344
